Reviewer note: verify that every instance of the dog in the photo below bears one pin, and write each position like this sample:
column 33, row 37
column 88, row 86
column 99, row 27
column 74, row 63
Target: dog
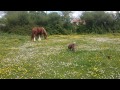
column 72, row 46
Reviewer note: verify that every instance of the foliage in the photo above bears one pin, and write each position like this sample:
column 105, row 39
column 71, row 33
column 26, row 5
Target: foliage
column 100, row 22
column 17, row 21
column 96, row 22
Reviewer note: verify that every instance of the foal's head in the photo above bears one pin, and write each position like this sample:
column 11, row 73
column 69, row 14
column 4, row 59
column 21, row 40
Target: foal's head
column 44, row 33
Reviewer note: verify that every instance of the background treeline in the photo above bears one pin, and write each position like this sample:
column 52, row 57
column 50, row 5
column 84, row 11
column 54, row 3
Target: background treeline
column 22, row 22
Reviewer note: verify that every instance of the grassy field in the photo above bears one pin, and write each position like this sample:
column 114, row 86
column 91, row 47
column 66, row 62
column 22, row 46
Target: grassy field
column 96, row 57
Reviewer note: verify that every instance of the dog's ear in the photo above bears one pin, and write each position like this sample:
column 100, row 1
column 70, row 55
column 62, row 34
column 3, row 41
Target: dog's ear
column 74, row 42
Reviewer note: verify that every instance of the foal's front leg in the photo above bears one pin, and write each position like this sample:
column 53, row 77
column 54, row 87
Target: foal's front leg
column 34, row 38
column 39, row 38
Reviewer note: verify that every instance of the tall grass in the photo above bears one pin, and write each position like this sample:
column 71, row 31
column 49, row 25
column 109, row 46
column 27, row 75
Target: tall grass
column 96, row 57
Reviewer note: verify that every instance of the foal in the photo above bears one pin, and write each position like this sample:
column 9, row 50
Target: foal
column 37, row 32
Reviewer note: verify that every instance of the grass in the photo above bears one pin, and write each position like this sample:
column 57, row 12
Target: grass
column 96, row 57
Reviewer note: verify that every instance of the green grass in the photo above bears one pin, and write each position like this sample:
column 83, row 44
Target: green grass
column 96, row 57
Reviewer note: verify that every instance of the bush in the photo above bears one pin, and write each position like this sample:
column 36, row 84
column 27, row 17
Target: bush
column 20, row 30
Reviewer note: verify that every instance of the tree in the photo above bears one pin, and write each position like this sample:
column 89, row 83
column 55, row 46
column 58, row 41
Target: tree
column 66, row 15
column 98, row 21
column 16, row 18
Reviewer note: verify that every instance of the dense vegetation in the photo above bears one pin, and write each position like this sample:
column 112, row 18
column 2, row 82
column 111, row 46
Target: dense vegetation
column 21, row 22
